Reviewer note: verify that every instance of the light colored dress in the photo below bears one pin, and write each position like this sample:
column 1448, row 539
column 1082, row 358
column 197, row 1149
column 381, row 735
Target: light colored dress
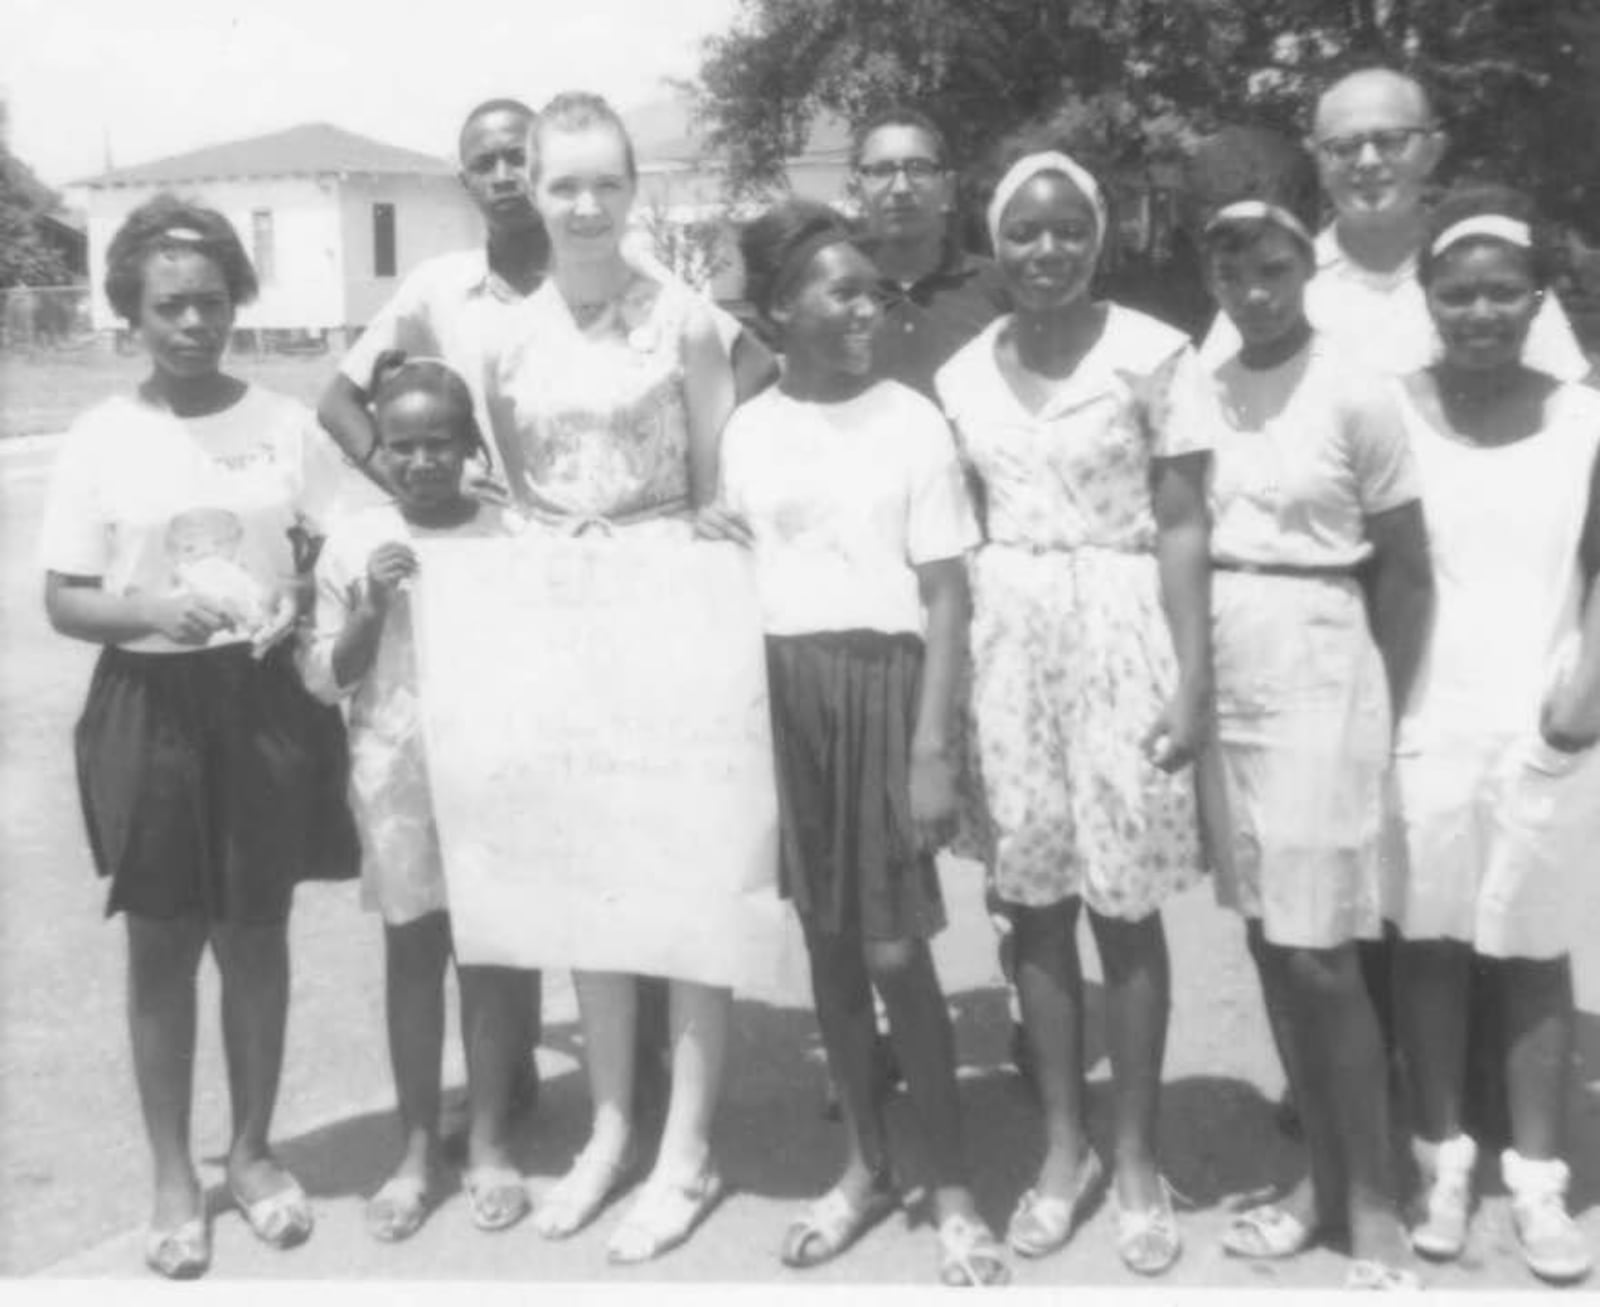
column 1498, row 831
column 591, row 422
column 1072, row 659
column 402, row 873
column 1303, row 454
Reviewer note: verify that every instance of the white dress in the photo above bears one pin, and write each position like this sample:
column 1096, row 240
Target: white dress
column 1497, row 831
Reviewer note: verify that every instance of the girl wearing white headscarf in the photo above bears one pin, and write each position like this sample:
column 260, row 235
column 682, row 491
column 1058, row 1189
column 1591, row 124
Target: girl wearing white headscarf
column 1088, row 699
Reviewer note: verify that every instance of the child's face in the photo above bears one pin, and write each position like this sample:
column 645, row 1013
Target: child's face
column 1262, row 287
column 422, row 449
column 832, row 316
column 1483, row 297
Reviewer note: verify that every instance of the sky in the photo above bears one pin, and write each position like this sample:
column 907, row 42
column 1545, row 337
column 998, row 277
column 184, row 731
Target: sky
column 142, row 79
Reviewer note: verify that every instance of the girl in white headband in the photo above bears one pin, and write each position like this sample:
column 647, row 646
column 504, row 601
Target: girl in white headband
column 1499, row 780
column 1311, row 480
column 1087, row 700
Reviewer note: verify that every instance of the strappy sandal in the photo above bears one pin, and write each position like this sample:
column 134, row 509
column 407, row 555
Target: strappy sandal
column 1042, row 1224
column 182, row 1253
column 496, row 1197
column 283, row 1219
column 1148, row 1240
column 398, row 1209
column 833, row 1223
column 969, row 1254
column 662, row 1217
column 1380, row 1276
column 1267, row 1233
column 582, row 1194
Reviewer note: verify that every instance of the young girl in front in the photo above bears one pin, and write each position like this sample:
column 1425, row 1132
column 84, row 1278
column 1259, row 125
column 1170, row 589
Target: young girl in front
column 849, row 490
column 1311, row 483
column 362, row 651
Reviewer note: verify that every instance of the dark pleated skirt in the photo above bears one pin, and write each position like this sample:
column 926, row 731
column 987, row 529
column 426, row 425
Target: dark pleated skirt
column 211, row 784
column 843, row 708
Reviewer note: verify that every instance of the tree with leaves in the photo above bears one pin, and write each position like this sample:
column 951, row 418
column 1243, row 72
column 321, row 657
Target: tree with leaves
column 26, row 257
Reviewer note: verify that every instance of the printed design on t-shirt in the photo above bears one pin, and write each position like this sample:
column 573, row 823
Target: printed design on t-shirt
column 204, row 547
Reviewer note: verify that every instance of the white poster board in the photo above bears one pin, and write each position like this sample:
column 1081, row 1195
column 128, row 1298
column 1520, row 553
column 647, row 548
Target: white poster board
column 600, row 756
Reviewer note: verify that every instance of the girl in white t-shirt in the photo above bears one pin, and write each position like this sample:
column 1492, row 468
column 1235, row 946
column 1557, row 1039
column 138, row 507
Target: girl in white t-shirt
column 1311, row 480
column 1497, row 770
column 211, row 782
column 361, row 651
column 850, row 494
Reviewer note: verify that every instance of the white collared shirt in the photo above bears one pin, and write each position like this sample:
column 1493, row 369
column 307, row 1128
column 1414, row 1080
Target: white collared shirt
column 1382, row 320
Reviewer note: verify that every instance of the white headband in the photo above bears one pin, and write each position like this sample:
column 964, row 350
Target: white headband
column 1025, row 169
column 1496, row 225
column 1260, row 211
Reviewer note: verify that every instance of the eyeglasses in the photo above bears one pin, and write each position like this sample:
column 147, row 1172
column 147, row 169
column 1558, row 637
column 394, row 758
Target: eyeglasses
column 915, row 171
column 1390, row 144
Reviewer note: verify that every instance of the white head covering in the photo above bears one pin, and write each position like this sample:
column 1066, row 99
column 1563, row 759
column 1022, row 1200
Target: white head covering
column 1025, row 169
column 1261, row 211
column 1500, row 226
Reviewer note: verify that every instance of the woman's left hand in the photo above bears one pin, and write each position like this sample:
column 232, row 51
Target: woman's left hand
column 1177, row 733
column 292, row 603
column 1569, row 719
column 714, row 522
column 934, row 799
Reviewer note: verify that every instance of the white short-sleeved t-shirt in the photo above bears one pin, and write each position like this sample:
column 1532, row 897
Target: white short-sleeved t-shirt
column 1302, row 454
column 1382, row 320
column 153, row 503
column 845, row 500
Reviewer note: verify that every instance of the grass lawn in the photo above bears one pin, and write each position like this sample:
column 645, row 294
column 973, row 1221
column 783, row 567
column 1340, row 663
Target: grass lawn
column 44, row 390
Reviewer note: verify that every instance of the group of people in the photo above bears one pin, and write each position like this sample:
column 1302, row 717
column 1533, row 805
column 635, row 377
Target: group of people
column 1310, row 608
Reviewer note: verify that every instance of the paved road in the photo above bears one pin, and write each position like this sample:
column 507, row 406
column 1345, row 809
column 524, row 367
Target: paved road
column 72, row 1157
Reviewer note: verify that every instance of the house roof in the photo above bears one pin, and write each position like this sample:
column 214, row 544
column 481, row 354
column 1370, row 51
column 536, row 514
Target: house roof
column 313, row 149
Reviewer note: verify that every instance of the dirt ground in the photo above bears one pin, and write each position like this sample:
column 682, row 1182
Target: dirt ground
column 73, row 1169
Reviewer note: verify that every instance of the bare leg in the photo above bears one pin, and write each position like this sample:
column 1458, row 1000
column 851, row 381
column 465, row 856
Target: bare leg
column 494, row 1003
column 254, row 962
column 607, row 1001
column 163, row 958
column 1050, row 991
column 698, row 1034
column 919, row 1026
column 1431, row 1016
column 415, row 957
column 1138, row 1000
column 1347, row 1110
column 1540, row 1028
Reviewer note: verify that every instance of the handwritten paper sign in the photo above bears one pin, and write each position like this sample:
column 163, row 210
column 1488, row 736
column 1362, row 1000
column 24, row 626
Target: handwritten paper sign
column 600, row 756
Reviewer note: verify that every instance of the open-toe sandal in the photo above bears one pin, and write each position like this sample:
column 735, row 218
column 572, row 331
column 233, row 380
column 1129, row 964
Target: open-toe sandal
column 1042, row 1223
column 662, row 1217
column 833, row 1223
column 282, row 1219
column 582, row 1194
column 398, row 1209
column 1267, row 1233
column 181, row 1253
column 969, row 1254
column 1380, row 1276
column 1147, row 1238
column 496, row 1197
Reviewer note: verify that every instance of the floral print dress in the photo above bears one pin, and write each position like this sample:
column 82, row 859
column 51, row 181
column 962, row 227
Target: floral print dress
column 1072, row 658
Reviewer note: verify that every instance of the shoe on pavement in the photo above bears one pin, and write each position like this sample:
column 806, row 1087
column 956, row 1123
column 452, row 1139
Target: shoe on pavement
column 1446, row 1171
column 1552, row 1244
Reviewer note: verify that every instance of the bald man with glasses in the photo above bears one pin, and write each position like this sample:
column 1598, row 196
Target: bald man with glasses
column 1377, row 144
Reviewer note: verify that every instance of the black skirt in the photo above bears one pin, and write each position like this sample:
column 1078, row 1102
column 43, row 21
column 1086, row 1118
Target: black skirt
column 212, row 784
column 844, row 705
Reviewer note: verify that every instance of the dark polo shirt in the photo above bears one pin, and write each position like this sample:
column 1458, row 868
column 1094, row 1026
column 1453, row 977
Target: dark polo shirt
column 928, row 321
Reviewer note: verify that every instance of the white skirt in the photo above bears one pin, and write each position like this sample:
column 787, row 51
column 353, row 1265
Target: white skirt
column 1292, row 788
column 1496, row 842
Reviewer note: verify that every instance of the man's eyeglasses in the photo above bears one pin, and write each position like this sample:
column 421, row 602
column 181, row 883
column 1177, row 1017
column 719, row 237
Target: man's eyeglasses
column 916, row 171
column 1390, row 144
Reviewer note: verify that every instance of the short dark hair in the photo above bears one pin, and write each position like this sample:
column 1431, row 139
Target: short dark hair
column 899, row 115
column 767, row 242
column 1477, row 200
column 166, row 224
column 396, row 375
column 500, row 104
column 572, row 111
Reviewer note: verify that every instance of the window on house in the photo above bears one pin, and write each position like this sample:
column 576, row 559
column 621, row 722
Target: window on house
column 383, row 261
column 261, row 245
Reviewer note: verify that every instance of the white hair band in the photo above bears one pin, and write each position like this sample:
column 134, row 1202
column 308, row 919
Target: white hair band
column 1025, row 169
column 1260, row 211
column 1496, row 225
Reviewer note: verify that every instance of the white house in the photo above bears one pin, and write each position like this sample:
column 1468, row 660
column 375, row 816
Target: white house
column 331, row 219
